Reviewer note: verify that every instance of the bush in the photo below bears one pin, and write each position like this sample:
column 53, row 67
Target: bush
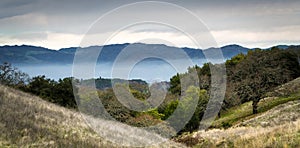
column 226, row 125
column 60, row 92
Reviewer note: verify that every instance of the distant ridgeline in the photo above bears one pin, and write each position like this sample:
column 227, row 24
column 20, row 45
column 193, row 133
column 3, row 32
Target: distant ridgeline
column 30, row 55
column 105, row 83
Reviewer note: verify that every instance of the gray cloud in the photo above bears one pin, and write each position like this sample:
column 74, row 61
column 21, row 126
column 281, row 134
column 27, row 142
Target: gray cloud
column 11, row 8
column 76, row 16
column 30, row 36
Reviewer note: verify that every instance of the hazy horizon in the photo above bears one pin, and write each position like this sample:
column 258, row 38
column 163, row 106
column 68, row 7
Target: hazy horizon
column 57, row 72
column 157, row 44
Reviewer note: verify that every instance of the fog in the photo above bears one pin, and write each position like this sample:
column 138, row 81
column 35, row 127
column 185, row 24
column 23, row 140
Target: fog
column 150, row 71
column 50, row 71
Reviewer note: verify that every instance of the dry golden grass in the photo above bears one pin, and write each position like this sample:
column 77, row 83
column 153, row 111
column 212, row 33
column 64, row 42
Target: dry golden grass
column 286, row 135
column 28, row 121
column 278, row 127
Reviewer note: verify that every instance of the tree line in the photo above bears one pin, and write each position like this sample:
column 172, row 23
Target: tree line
column 249, row 76
column 59, row 92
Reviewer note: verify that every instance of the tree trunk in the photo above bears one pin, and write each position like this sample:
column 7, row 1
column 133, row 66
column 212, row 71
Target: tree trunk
column 255, row 106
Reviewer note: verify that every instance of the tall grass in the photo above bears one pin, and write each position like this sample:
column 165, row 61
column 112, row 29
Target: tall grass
column 281, row 136
column 28, row 121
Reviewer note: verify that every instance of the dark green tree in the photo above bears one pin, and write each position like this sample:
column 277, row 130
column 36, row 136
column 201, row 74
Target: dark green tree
column 261, row 71
column 60, row 92
column 175, row 86
column 63, row 93
column 42, row 87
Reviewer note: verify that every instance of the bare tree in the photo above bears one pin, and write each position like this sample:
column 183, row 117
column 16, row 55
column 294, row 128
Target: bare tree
column 11, row 76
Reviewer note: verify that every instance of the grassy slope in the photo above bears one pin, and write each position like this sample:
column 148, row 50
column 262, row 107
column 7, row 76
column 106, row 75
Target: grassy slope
column 282, row 94
column 277, row 127
column 28, row 121
column 277, row 124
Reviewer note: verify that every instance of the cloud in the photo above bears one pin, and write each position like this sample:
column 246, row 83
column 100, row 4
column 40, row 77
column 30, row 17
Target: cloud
column 47, row 39
column 246, row 22
column 23, row 23
column 263, row 39
column 11, row 8
column 168, row 38
column 30, row 36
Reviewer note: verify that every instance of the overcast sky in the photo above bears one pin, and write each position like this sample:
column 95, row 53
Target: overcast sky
column 63, row 23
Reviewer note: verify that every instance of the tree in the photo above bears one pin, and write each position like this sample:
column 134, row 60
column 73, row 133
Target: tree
column 63, row 93
column 203, row 80
column 261, row 71
column 11, row 76
column 60, row 92
column 175, row 86
column 43, row 87
column 235, row 60
column 184, row 107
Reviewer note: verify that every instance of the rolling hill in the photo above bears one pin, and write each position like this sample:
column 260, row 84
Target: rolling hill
column 28, row 121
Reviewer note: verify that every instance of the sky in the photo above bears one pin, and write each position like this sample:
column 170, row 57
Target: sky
column 59, row 24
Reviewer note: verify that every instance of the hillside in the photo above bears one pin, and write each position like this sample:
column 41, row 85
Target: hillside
column 28, row 121
column 276, row 125
column 33, row 55
column 279, row 127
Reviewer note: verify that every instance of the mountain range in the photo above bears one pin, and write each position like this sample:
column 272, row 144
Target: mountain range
column 30, row 55
column 57, row 64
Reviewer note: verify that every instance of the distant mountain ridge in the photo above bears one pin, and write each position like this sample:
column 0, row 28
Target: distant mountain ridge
column 25, row 54
column 30, row 55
